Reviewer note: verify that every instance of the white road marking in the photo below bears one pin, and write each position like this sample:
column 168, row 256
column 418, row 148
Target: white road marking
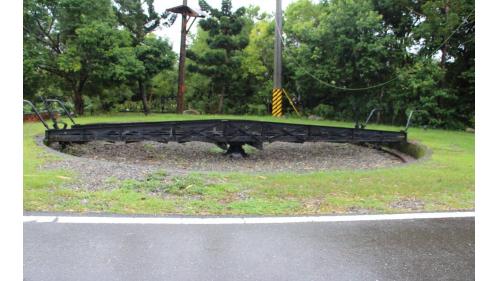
column 240, row 220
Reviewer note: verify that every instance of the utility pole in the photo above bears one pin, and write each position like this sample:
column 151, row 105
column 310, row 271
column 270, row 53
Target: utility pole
column 187, row 14
column 277, row 101
column 182, row 64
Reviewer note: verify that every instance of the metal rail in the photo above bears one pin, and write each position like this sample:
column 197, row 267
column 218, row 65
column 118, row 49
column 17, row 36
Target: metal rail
column 61, row 104
column 33, row 108
column 48, row 106
column 370, row 117
column 410, row 117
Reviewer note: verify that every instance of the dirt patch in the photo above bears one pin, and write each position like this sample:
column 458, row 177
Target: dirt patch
column 275, row 157
column 101, row 164
column 408, row 204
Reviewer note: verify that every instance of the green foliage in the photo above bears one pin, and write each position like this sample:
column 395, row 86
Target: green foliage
column 418, row 89
column 225, row 39
column 359, row 56
column 357, row 44
column 325, row 111
column 257, row 109
column 155, row 54
column 257, row 64
column 79, row 48
column 104, row 52
column 160, row 183
column 77, row 42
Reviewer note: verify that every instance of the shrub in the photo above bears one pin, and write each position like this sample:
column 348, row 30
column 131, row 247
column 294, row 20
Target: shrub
column 325, row 111
column 257, row 109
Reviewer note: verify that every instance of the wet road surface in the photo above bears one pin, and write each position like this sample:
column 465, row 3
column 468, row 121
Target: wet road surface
column 423, row 249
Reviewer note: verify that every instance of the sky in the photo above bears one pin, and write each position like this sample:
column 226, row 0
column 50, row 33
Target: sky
column 173, row 33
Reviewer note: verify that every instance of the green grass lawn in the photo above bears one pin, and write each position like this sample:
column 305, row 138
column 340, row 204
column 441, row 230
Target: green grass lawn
column 444, row 181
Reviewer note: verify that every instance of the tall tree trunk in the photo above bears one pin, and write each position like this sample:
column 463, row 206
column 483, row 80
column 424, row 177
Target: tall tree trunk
column 444, row 49
column 444, row 54
column 150, row 95
column 78, row 101
column 144, row 97
column 78, row 95
column 220, row 109
column 379, row 114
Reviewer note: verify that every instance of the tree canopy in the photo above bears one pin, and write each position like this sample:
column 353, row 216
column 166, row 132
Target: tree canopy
column 221, row 59
column 341, row 58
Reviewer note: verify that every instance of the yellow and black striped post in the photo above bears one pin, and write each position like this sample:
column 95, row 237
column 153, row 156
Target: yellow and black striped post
column 277, row 75
column 277, row 102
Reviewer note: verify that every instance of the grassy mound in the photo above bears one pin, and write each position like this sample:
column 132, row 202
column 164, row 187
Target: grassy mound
column 444, row 181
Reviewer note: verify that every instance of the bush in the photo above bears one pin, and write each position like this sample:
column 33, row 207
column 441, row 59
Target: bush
column 257, row 109
column 128, row 106
column 91, row 104
column 325, row 111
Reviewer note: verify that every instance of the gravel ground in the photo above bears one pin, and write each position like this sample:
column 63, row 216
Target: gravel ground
column 96, row 162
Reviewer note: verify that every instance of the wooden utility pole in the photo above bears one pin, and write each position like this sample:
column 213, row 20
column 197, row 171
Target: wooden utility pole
column 277, row 101
column 182, row 64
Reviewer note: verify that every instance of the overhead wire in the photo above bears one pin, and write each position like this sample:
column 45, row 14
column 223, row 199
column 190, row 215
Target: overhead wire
column 367, row 87
column 455, row 31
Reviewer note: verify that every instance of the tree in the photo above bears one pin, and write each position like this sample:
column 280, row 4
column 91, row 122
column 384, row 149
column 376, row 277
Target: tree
column 154, row 55
column 165, row 86
column 345, row 45
column 448, row 30
column 418, row 88
column 75, row 41
column 257, row 64
column 406, row 54
column 301, row 23
column 225, row 41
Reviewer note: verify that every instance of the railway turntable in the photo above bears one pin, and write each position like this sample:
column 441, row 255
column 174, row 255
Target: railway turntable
column 228, row 134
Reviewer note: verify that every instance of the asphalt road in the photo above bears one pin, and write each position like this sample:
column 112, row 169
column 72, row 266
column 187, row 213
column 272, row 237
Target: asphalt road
column 424, row 249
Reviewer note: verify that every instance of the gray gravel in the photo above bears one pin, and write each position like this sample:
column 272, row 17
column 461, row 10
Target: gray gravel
column 97, row 162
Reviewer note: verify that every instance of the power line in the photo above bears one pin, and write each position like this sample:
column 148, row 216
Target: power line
column 368, row 87
column 455, row 31
column 330, row 84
